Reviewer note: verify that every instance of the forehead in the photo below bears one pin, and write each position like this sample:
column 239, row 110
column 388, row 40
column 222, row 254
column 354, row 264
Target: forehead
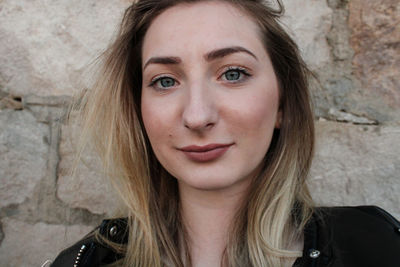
column 202, row 26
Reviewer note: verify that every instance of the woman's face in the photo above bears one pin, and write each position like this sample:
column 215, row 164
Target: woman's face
column 209, row 95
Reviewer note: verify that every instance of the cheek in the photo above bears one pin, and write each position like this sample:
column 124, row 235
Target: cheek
column 256, row 115
column 155, row 121
column 160, row 115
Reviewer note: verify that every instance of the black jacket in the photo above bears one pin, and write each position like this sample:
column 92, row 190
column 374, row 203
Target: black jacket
column 364, row 236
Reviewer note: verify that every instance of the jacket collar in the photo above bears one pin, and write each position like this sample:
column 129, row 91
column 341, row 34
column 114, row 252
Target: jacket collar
column 317, row 250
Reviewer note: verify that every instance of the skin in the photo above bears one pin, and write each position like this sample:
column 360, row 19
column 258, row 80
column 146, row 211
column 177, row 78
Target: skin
column 189, row 98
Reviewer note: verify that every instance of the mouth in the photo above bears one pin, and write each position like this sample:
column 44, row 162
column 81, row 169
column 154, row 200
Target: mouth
column 205, row 153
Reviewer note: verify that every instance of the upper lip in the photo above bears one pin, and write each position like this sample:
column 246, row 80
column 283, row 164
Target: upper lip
column 195, row 148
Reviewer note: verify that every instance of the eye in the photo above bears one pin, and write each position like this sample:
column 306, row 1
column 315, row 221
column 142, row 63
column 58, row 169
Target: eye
column 235, row 74
column 163, row 83
column 166, row 82
column 232, row 75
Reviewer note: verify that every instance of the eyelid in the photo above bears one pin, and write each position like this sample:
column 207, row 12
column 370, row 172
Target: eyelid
column 160, row 76
column 230, row 67
column 234, row 67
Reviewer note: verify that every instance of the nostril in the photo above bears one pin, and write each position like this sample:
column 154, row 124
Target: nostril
column 199, row 126
column 209, row 125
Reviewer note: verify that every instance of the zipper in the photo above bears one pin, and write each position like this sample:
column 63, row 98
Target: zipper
column 79, row 256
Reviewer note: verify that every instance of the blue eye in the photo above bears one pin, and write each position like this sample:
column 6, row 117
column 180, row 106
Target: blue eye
column 232, row 75
column 163, row 83
column 166, row 82
column 235, row 75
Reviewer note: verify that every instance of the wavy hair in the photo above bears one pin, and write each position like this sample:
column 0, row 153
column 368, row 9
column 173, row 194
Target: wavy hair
column 279, row 204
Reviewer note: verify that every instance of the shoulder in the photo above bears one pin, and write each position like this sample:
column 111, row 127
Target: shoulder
column 90, row 251
column 360, row 221
column 357, row 213
column 361, row 236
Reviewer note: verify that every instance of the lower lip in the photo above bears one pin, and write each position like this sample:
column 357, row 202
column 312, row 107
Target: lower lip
column 206, row 155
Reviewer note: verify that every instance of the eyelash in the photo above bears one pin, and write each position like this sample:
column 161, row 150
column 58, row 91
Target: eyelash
column 241, row 70
column 157, row 79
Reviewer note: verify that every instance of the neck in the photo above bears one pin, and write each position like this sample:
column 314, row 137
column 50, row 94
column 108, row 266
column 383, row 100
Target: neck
column 207, row 216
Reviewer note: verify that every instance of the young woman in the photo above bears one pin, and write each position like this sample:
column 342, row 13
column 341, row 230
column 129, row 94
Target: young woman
column 203, row 119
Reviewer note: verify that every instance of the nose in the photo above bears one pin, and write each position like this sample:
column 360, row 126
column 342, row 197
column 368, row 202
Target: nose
column 200, row 112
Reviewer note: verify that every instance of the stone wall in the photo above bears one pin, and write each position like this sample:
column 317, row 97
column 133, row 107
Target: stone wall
column 45, row 46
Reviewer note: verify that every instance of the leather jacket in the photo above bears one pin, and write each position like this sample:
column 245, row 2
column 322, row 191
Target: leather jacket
column 364, row 236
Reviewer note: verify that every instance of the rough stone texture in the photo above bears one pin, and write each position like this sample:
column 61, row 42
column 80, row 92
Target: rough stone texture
column 323, row 37
column 361, row 79
column 310, row 31
column 87, row 188
column 42, row 205
column 357, row 165
column 375, row 27
column 32, row 244
column 46, row 109
column 45, row 45
column 23, row 155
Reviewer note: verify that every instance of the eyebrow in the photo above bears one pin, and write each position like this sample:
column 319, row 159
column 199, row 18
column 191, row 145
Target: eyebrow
column 162, row 60
column 210, row 56
column 223, row 52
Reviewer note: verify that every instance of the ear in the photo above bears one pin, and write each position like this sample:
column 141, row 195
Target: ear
column 278, row 121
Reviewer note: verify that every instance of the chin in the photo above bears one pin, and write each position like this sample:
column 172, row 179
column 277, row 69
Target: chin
column 211, row 183
column 210, row 186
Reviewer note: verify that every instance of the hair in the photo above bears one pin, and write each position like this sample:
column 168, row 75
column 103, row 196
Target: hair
column 279, row 204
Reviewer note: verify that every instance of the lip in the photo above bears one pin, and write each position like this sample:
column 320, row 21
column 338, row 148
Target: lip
column 205, row 153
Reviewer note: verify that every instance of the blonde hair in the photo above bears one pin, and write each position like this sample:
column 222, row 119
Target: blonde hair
column 279, row 204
